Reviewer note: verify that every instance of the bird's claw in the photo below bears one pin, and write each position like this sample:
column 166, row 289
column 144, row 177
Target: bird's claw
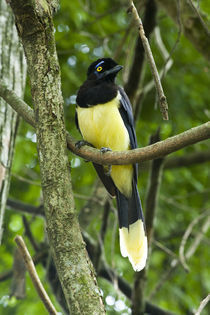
column 105, row 149
column 81, row 143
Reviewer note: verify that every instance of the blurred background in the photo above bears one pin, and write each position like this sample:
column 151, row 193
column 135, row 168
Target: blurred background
column 86, row 30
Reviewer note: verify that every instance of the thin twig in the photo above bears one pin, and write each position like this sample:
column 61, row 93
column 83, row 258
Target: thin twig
column 198, row 238
column 179, row 22
column 104, row 224
column 175, row 262
column 118, row 50
column 34, row 276
column 36, row 259
column 136, row 71
column 202, row 305
column 17, row 205
column 26, row 180
column 168, row 61
column 164, row 248
column 29, row 234
column 196, row 10
column 167, row 56
column 153, row 189
column 186, row 236
column 145, row 42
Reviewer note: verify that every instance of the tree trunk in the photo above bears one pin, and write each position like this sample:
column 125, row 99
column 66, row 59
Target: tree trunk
column 76, row 273
column 13, row 72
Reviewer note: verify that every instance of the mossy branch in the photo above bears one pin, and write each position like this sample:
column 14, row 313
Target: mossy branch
column 150, row 152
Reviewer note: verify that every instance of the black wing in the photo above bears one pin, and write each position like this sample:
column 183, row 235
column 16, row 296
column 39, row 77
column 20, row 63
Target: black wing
column 127, row 116
column 76, row 121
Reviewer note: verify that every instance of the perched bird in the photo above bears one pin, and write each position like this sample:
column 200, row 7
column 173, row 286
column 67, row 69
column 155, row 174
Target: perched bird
column 104, row 118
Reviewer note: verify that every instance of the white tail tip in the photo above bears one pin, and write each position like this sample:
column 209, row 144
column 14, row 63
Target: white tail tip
column 133, row 244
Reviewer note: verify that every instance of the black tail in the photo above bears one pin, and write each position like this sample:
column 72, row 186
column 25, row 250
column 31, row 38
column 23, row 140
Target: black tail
column 133, row 240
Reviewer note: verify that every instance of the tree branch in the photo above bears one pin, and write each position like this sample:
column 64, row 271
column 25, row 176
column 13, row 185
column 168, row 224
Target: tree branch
column 150, row 152
column 18, row 286
column 147, row 153
column 25, row 111
column 203, row 303
column 151, row 61
column 34, row 276
column 24, row 207
column 109, row 274
column 36, row 259
column 149, row 23
column 153, row 190
column 176, row 262
column 187, row 159
column 186, row 236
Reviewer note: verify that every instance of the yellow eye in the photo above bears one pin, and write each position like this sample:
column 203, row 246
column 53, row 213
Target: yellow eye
column 99, row 68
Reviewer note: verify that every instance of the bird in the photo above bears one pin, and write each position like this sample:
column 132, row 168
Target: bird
column 105, row 120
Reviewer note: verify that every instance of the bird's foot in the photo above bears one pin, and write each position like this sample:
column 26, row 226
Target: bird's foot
column 81, row 143
column 105, row 149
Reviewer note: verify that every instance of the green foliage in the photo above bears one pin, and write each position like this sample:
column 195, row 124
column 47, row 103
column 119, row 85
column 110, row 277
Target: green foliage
column 85, row 31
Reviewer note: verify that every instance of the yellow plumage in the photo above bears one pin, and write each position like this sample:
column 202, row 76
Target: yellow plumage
column 102, row 126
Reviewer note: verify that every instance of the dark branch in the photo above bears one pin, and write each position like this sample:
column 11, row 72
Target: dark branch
column 161, row 96
column 38, row 257
column 138, row 299
column 187, row 159
column 136, row 69
column 24, row 207
column 109, row 274
column 29, row 234
column 153, row 189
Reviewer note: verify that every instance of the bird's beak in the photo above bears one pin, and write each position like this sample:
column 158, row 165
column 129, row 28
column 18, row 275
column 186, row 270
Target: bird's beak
column 116, row 69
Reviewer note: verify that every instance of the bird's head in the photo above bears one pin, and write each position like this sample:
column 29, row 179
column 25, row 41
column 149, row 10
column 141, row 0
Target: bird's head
column 103, row 69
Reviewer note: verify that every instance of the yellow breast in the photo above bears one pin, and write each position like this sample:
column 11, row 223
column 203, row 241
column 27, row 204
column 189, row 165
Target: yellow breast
column 102, row 126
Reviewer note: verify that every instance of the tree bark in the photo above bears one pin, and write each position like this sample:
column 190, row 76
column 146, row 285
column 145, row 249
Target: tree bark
column 13, row 74
column 76, row 273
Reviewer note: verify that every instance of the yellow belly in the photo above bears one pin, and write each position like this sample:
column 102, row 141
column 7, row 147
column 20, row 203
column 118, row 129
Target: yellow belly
column 102, row 126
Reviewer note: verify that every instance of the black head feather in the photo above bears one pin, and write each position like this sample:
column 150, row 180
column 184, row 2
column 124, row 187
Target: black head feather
column 103, row 69
column 99, row 88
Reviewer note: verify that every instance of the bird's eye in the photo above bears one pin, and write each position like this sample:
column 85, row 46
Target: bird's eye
column 99, row 68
